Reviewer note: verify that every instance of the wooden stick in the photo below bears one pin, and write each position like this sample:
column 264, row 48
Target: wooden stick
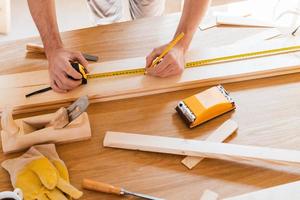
column 223, row 151
column 223, row 132
column 35, row 48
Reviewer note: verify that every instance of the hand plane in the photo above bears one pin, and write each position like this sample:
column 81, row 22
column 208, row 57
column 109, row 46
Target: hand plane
column 65, row 125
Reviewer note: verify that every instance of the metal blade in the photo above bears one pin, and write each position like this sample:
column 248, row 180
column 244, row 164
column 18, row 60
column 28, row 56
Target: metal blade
column 144, row 196
column 78, row 107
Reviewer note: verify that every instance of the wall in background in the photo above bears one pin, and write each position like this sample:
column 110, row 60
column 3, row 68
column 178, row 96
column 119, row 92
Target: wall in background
column 71, row 15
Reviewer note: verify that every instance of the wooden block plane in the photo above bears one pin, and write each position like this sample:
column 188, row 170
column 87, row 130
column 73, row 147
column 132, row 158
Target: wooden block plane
column 5, row 16
column 56, row 127
column 223, row 151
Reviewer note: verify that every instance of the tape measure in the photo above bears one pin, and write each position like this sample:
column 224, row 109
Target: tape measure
column 117, row 73
column 78, row 67
column 204, row 62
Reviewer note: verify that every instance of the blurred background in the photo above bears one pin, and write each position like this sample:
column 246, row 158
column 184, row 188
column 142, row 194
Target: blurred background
column 16, row 22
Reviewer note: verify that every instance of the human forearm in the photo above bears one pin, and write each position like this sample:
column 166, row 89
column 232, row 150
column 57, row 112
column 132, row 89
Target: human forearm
column 174, row 62
column 193, row 12
column 60, row 69
column 44, row 16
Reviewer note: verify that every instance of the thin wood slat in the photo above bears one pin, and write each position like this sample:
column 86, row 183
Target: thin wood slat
column 223, row 151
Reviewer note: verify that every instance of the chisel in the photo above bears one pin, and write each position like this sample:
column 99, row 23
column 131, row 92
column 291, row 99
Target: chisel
column 110, row 189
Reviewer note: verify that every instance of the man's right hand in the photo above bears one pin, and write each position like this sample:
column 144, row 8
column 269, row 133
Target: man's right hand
column 60, row 68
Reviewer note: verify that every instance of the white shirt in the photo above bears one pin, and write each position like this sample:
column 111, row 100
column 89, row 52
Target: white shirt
column 109, row 11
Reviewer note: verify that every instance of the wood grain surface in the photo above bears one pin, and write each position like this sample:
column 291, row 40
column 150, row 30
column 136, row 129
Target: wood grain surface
column 267, row 113
column 114, row 88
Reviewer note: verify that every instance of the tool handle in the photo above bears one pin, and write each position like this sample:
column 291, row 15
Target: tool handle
column 36, row 48
column 101, row 187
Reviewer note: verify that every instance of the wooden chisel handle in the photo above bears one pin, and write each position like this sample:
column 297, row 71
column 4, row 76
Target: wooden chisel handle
column 36, row 48
column 101, row 187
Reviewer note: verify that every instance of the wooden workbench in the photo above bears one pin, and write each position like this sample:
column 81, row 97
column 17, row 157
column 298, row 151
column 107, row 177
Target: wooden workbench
column 268, row 113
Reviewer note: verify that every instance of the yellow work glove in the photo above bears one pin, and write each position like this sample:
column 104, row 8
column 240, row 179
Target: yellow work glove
column 49, row 151
column 38, row 178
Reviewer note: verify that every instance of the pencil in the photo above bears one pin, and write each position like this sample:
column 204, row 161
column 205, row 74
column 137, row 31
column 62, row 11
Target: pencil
column 167, row 49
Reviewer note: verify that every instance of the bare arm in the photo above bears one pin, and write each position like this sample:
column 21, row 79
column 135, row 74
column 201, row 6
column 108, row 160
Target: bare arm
column 60, row 69
column 44, row 16
column 193, row 12
column 173, row 63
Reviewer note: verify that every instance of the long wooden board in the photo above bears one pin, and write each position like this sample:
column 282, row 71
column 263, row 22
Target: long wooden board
column 14, row 87
column 223, row 151
column 290, row 191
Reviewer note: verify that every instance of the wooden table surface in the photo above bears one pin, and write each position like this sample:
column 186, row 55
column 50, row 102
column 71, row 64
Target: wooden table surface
column 268, row 114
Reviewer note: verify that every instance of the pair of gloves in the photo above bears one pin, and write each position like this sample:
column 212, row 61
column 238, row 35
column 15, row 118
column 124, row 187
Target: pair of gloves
column 41, row 175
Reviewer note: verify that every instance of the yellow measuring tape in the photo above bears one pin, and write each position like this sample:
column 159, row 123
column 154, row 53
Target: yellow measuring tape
column 204, row 62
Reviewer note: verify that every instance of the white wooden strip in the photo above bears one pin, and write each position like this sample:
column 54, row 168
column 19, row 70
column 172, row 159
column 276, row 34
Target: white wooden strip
column 243, row 21
column 223, row 132
column 289, row 191
column 223, row 151
column 209, row 195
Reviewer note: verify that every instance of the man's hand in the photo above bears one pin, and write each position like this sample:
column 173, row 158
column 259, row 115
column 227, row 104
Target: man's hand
column 60, row 68
column 171, row 64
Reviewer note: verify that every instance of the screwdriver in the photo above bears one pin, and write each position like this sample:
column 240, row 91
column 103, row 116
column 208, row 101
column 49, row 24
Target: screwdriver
column 110, row 189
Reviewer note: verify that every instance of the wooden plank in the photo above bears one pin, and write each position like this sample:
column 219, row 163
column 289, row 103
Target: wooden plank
column 290, row 191
column 221, row 134
column 223, row 151
column 99, row 90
